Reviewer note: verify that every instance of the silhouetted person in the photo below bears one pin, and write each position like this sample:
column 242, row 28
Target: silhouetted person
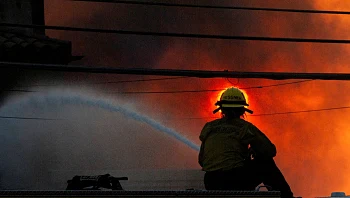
column 235, row 154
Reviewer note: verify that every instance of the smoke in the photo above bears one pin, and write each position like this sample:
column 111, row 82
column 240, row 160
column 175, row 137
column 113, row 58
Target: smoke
column 90, row 133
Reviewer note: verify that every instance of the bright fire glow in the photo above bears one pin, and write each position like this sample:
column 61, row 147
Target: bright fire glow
column 312, row 147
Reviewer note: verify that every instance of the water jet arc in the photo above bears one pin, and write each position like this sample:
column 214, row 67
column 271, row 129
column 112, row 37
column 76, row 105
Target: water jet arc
column 64, row 98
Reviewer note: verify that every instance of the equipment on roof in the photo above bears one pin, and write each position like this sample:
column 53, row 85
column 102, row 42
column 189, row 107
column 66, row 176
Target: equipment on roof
column 95, row 182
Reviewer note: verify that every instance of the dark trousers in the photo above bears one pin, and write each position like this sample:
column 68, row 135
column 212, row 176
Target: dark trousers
column 248, row 177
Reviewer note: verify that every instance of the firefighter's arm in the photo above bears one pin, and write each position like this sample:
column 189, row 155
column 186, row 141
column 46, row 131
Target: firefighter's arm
column 261, row 145
column 203, row 136
column 200, row 156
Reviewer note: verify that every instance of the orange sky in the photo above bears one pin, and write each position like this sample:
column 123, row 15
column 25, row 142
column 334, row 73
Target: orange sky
column 312, row 147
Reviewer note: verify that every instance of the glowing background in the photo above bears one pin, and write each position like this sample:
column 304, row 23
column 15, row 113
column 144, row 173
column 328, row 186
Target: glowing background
column 312, row 147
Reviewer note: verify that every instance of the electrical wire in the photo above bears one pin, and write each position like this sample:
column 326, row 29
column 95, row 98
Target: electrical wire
column 200, row 118
column 27, row 118
column 302, row 111
column 233, row 84
column 167, row 92
column 185, row 91
column 269, row 114
column 180, row 35
column 221, row 7
column 207, row 90
column 176, row 72
column 139, row 80
column 107, row 82
column 18, row 90
column 279, row 84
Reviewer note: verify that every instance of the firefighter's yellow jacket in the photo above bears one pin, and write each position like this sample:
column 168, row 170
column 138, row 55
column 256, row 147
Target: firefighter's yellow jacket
column 225, row 144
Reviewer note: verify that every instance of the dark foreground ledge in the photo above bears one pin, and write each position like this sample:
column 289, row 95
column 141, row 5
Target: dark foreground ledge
column 139, row 194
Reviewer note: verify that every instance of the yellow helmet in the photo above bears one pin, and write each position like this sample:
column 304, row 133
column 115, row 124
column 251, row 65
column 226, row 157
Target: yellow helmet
column 232, row 97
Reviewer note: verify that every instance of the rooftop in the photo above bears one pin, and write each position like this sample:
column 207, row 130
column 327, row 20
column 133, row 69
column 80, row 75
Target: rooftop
column 30, row 48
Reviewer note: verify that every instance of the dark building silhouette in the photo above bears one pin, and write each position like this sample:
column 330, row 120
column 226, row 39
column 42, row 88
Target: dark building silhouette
column 27, row 45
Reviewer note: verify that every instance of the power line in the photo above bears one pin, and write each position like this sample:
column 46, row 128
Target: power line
column 146, row 80
column 195, row 118
column 136, row 92
column 275, row 85
column 167, row 92
column 177, row 72
column 26, row 118
column 180, row 35
column 18, row 90
column 303, row 111
column 221, row 7
column 206, row 90
column 265, row 86
column 107, row 82
column 179, row 91
column 139, row 80
column 234, row 84
column 270, row 114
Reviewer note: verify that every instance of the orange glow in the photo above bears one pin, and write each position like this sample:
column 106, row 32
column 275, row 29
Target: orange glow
column 245, row 95
column 219, row 95
column 312, row 147
column 306, row 156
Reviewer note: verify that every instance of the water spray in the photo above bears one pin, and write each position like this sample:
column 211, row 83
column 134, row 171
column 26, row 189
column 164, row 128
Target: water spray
column 81, row 99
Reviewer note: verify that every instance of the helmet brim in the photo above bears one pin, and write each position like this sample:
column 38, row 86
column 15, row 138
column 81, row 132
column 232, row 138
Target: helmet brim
column 236, row 105
column 247, row 110
column 233, row 105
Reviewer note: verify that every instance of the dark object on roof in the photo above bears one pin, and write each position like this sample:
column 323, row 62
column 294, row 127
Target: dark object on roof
column 22, row 47
column 95, row 182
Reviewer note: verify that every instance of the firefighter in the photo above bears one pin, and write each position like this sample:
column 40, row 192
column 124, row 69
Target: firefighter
column 234, row 153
